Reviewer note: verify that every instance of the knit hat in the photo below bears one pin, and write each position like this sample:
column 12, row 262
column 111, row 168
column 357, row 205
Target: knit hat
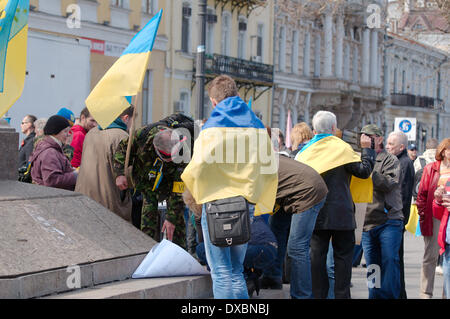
column 55, row 124
column 67, row 114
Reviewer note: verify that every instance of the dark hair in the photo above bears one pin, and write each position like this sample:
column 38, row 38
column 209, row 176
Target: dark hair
column 128, row 111
column 32, row 119
column 222, row 87
column 85, row 112
column 441, row 148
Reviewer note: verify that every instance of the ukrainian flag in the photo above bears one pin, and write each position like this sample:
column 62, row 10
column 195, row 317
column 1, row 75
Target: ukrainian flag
column 111, row 95
column 233, row 156
column 13, row 50
column 325, row 152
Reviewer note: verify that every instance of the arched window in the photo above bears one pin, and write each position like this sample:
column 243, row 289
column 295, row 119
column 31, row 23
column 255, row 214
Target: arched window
column 242, row 38
column 226, row 33
column 186, row 27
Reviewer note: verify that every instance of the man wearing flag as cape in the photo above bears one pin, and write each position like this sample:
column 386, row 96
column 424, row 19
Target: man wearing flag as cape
column 338, row 164
column 233, row 156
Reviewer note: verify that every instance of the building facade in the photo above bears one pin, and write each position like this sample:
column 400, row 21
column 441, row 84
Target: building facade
column 238, row 43
column 417, row 86
column 331, row 61
column 71, row 45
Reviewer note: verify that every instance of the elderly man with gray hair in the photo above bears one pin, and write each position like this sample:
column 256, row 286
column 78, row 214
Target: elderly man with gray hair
column 336, row 162
column 397, row 144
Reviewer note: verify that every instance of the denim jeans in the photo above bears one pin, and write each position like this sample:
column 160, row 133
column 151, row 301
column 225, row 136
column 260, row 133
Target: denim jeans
column 381, row 247
column 226, row 264
column 302, row 226
column 446, row 269
column 330, row 271
column 280, row 224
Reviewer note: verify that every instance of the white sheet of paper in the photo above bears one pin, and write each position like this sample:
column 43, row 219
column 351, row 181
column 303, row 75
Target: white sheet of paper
column 167, row 259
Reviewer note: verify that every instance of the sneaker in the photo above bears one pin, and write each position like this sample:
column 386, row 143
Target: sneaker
column 439, row 270
column 270, row 283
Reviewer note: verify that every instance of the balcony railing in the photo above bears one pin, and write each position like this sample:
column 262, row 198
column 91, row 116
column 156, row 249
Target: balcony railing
column 241, row 70
column 403, row 99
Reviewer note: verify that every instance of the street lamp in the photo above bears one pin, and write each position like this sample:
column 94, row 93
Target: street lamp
column 200, row 64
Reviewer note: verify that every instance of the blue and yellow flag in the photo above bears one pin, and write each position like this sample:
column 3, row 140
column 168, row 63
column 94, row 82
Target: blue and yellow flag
column 233, row 156
column 13, row 50
column 111, row 95
column 325, row 152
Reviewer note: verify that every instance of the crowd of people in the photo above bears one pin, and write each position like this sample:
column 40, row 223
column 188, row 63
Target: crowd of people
column 307, row 235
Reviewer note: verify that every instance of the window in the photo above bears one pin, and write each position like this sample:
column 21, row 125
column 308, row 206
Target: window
column 294, row 54
column 147, row 98
column 185, row 27
column 184, row 103
column 242, row 38
column 282, row 49
column 306, row 54
column 395, row 81
column 226, row 33
column 149, row 6
column 211, row 20
column 121, row 3
column 403, row 81
column 259, row 41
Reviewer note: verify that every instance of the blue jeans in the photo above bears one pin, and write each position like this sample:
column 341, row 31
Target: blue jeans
column 279, row 224
column 226, row 265
column 381, row 250
column 446, row 269
column 330, row 271
column 302, row 226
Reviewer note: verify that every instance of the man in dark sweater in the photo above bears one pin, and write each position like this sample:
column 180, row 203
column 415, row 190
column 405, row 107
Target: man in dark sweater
column 396, row 145
column 383, row 224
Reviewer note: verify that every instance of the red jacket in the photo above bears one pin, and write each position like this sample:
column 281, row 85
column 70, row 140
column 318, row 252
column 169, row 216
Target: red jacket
column 79, row 133
column 425, row 197
column 440, row 210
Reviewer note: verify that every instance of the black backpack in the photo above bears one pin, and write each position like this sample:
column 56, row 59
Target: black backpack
column 418, row 177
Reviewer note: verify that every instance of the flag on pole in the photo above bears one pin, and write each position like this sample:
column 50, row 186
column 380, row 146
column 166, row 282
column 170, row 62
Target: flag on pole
column 13, row 50
column 288, row 130
column 111, row 95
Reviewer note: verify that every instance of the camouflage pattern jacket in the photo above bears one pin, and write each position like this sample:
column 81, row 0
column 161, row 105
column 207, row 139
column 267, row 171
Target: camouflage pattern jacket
column 142, row 159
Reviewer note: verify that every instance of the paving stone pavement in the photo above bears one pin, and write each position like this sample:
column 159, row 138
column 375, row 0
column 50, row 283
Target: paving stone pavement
column 413, row 260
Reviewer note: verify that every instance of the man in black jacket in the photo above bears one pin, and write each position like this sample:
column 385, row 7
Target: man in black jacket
column 336, row 219
column 396, row 145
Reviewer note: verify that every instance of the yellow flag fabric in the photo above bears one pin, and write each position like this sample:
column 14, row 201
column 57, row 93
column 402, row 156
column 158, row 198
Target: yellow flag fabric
column 15, row 69
column 13, row 51
column 108, row 99
column 112, row 94
column 223, row 167
column 331, row 152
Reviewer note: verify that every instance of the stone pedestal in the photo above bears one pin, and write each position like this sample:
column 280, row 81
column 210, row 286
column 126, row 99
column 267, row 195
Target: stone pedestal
column 9, row 153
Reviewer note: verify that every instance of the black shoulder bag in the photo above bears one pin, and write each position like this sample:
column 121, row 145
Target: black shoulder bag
column 228, row 221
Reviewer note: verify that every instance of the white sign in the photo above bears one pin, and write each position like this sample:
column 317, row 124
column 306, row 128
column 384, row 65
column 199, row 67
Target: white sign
column 406, row 125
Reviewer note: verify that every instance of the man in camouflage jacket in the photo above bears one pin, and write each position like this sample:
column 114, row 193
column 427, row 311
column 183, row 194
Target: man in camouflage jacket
column 158, row 178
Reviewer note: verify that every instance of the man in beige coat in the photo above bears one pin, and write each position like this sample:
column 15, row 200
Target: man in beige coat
column 96, row 178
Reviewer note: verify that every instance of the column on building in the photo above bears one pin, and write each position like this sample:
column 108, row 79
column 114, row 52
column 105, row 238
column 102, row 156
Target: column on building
column 365, row 64
column 339, row 46
column 387, row 75
column 307, row 55
column 328, row 45
column 374, row 57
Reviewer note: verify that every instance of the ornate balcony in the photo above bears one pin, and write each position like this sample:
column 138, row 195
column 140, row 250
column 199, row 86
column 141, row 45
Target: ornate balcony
column 248, row 74
column 401, row 99
column 239, row 5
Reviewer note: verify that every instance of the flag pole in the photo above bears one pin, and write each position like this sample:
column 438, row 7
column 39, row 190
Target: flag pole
column 130, row 137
